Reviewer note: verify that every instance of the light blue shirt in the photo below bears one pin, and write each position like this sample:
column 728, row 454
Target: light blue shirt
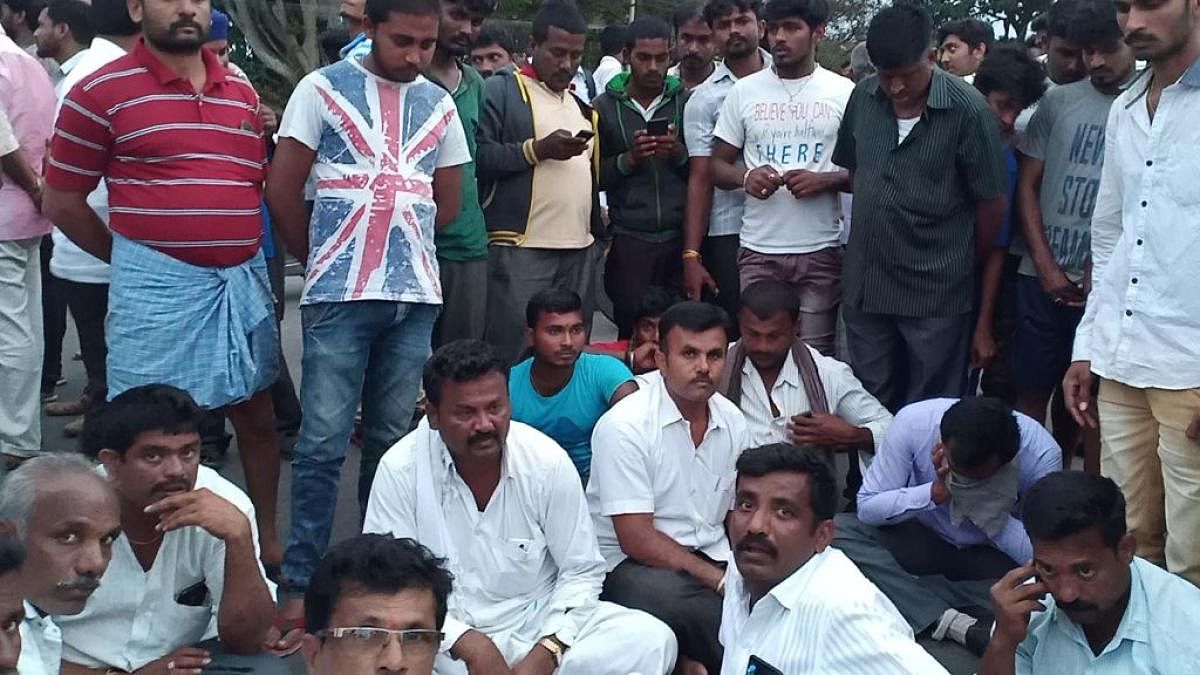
column 1158, row 633
column 897, row 485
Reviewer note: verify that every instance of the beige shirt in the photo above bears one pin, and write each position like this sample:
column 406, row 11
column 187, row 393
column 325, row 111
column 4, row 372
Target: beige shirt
column 560, row 208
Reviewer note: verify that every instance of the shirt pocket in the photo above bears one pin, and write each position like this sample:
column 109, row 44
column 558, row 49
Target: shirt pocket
column 183, row 626
column 1182, row 171
column 721, row 498
column 518, row 561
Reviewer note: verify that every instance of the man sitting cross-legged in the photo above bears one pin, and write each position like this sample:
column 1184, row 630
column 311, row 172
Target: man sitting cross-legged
column 185, row 588
column 503, row 504
column 560, row 390
column 662, row 483
column 939, row 510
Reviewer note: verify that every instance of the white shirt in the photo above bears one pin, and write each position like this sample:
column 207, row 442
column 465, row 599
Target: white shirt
column 644, row 461
column 524, row 567
column 8, row 141
column 64, row 71
column 1142, row 323
column 608, row 68
column 825, row 618
column 787, row 125
column 41, row 644
column 845, row 394
column 133, row 618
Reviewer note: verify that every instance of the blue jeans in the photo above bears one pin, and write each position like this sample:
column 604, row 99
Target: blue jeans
column 373, row 348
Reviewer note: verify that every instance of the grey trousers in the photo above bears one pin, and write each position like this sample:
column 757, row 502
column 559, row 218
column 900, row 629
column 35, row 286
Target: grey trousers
column 921, row 573
column 516, row 274
column 902, row 359
column 223, row 661
column 464, row 301
column 21, row 348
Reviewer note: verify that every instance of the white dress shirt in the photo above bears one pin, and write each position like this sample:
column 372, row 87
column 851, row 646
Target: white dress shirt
column 608, row 68
column 644, row 461
column 41, row 644
column 134, row 618
column 1142, row 323
column 825, row 618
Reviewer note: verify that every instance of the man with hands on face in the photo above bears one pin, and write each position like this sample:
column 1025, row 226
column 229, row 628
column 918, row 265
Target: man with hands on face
column 1085, row 603
column 778, row 129
column 184, row 589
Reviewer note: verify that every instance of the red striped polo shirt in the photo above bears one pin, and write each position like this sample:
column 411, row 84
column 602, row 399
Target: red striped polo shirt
column 184, row 169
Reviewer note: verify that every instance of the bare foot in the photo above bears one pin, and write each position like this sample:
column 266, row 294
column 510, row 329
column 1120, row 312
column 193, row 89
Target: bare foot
column 286, row 632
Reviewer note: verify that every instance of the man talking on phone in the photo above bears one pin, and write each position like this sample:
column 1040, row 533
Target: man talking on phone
column 644, row 170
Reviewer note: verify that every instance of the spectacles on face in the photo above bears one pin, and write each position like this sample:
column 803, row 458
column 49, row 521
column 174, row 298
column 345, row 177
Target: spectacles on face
column 367, row 641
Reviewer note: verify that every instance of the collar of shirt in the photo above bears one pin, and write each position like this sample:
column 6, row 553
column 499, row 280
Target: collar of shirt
column 448, row 469
column 41, row 643
column 722, row 71
column 938, row 97
column 788, row 374
column 67, row 66
column 668, row 412
column 214, row 71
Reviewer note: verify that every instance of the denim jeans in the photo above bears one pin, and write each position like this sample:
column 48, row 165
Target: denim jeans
column 373, row 348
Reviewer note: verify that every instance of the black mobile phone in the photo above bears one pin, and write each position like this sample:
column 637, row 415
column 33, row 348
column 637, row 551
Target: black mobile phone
column 585, row 134
column 658, row 127
column 759, row 667
column 195, row 595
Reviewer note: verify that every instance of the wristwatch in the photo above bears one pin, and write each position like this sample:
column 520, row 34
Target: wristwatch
column 555, row 647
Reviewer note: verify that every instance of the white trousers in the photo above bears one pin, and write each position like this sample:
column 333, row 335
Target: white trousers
column 613, row 641
column 21, row 347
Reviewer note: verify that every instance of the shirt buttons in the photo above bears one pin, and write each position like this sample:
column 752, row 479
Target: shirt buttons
column 1144, row 204
column 1149, row 162
column 1129, row 312
column 1134, row 281
column 1139, row 242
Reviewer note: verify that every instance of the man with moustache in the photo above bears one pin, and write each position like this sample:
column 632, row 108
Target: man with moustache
column 67, row 517
column 792, row 602
column 695, row 46
column 12, row 604
column 1142, row 319
column 501, row 502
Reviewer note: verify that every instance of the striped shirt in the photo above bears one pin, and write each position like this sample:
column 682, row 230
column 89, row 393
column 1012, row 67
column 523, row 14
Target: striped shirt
column 184, row 169
column 824, row 618
column 911, row 251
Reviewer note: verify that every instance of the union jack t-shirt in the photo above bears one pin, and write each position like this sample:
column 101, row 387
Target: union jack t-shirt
column 378, row 143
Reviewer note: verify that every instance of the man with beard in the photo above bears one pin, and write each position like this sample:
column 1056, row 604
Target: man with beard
column 1086, row 603
column 184, row 588
column 714, row 216
column 662, row 483
column 64, row 31
column 643, row 169
column 501, row 502
column 782, row 160
column 189, row 300
column 793, row 604
column 462, row 243
column 67, row 517
column 695, row 46
column 1143, row 315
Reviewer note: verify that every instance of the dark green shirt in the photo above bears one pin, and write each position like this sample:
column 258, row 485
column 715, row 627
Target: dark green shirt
column 465, row 238
column 912, row 238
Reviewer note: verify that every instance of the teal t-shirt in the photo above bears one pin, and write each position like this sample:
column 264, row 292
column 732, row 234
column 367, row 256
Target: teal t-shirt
column 569, row 416
column 465, row 237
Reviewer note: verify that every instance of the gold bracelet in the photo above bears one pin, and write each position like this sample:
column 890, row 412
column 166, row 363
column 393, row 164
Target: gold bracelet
column 689, row 253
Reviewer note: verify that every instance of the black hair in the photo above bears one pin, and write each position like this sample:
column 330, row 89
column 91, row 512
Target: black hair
column 32, row 8
column 111, row 17
column 1064, row 503
column 12, row 554
column 971, row 31
column 151, row 407
column 812, row 12
column 1010, row 69
column 492, row 33
column 613, row 38
column 460, row 361
column 551, row 301
column 690, row 11
column 1094, row 24
column 717, row 9
column 1038, row 24
column 647, row 28
column 785, row 457
column 378, row 10
column 375, row 563
column 693, row 316
column 332, row 42
column 77, row 15
column 767, row 298
column 898, row 36
column 560, row 14
column 1059, row 17
column 978, row 428
column 484, row 8
column 655, row 301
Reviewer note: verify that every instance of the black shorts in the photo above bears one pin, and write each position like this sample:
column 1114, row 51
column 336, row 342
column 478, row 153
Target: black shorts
column 1044, row 338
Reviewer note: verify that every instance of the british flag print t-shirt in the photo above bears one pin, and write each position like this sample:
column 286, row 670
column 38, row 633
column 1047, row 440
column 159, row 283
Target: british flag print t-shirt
column 378, row 143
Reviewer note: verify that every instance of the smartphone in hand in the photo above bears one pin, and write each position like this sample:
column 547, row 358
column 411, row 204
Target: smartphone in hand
column 658, row 127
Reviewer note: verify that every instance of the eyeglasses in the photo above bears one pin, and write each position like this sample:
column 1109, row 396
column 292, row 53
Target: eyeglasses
column 418, row 642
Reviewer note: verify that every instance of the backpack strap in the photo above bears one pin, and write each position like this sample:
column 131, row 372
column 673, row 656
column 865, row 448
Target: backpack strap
column 730, row 385
column 810, row 378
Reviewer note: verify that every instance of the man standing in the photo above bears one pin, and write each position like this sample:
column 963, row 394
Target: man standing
column 793, row 604
column 924, row 153
column 64, row 31
column 961, row 46
column 775, row 139
column 492, row 50
column 560, row 390
column 27, row 101
column 1142, row 322
column 19, row 19
column 713, row 218
column 695, row 46
column 537, row 174
column 662, row 483
column 386, row 145
column 1062, row 154
column 643, row 170
column 502, row 504
column 613, row 55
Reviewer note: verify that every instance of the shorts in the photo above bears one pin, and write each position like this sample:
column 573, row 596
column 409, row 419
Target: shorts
column 1044, row 338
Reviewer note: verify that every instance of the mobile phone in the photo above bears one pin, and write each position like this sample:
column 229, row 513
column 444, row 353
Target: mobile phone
column 658, row 127
column 585, row 134
column 759, row 667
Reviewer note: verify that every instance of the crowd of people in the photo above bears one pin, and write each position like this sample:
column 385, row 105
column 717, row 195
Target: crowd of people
column 848, row 305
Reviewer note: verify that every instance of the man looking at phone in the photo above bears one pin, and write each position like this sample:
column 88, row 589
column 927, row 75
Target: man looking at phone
column 643, row 168
column 774, row 140
column 1107, row 611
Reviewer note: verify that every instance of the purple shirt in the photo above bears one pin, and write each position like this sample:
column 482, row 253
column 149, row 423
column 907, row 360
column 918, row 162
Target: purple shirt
column 28, row 100
column 897, row 485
